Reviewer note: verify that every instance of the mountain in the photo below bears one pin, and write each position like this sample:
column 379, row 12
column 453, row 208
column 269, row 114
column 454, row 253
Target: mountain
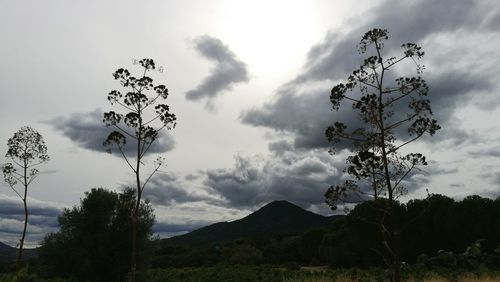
column 275, row 218
column 8, row 253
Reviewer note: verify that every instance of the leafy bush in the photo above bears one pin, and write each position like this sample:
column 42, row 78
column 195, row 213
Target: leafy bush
column 95, row 238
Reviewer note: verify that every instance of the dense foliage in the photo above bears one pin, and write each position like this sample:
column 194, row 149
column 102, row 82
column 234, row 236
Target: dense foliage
column 438, row 223
column 447, row 238
column 273, row 273
column 94, row 238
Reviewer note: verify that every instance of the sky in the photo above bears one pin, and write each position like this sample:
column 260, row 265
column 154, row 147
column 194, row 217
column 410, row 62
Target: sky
column 249, row 82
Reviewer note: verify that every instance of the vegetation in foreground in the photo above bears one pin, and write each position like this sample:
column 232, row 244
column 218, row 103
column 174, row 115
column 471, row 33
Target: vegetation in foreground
column 341, row 251
column 285, row 273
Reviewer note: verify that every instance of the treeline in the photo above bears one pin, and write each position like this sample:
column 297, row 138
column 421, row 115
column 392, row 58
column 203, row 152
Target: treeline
column 94, row 240
column 433, row 225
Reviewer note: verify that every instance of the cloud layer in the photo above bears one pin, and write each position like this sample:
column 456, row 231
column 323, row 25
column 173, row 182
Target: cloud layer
column 457, row 76
column 167, row 189
column 88, row 131
column 413, row 21
column 299, row 177
column 42, row 220
column 227, row 71
column 304, row 111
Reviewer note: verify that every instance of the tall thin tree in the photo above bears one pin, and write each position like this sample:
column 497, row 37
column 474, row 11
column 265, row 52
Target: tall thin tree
column 26, row 150
column 143, row 119
column 378, row 169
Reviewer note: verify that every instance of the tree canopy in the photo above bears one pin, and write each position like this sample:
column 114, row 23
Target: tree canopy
column 94, row 238
column 26, row 150
column 143, row 119
column 377, row 168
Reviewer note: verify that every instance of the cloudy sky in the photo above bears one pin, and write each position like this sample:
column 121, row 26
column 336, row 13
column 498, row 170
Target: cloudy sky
column 249, row 82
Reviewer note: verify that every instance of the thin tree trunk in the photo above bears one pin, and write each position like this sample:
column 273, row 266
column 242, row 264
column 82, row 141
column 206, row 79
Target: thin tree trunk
column 135, row 218
column 397, row 262
column 135, row 213
column 21, row 242
column 394, row 238
column 133, row 265
column 394, row 233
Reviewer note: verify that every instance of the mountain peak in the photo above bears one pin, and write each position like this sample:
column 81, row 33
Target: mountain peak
column 281, row 210
column 279, row 204
column 276, row 218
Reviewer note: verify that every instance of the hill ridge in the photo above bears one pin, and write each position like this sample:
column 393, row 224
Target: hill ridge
column 278, row 217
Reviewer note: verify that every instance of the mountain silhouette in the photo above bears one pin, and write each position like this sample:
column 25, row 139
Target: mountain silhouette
column 8, row 253
column 273, row 219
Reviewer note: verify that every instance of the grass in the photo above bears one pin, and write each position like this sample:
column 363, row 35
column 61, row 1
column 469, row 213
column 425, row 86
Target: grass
column 278, row 273
column 307, row 274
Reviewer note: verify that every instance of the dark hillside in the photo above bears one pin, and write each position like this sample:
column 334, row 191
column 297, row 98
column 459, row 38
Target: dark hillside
column 275, row 218
column 7, row 252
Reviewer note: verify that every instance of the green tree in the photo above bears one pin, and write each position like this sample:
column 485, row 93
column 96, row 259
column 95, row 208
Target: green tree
column 26, row 150
column 377, row 169
column 94, row 242
column 141, row 123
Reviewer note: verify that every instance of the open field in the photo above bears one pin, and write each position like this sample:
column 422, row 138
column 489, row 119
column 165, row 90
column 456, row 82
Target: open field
column 281, row 273
column 307, row 274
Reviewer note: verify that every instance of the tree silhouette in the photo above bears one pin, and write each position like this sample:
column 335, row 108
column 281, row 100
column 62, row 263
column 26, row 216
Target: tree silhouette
column 26, row 150
column 93, row 242
column 377, row 169
column 137, row 123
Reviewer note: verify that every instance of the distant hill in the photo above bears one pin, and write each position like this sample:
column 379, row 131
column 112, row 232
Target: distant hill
column 8, row 253
column 275, row 218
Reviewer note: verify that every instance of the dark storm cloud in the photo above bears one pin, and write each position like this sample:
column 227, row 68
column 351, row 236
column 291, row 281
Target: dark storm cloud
column 407, row 22
column 296, row 175
column 492, row 21
column 304, row 112
column 88, row 131
column 228, row 70
column 11, row 208
column 307, row 113
column 42, row 220
column 167, row 189
column 301, row 178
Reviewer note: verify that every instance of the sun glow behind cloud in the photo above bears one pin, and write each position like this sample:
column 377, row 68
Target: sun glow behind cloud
column 272, row 36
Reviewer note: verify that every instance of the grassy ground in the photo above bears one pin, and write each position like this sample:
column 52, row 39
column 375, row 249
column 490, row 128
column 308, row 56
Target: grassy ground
column 273, row 273
column 308, row 274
